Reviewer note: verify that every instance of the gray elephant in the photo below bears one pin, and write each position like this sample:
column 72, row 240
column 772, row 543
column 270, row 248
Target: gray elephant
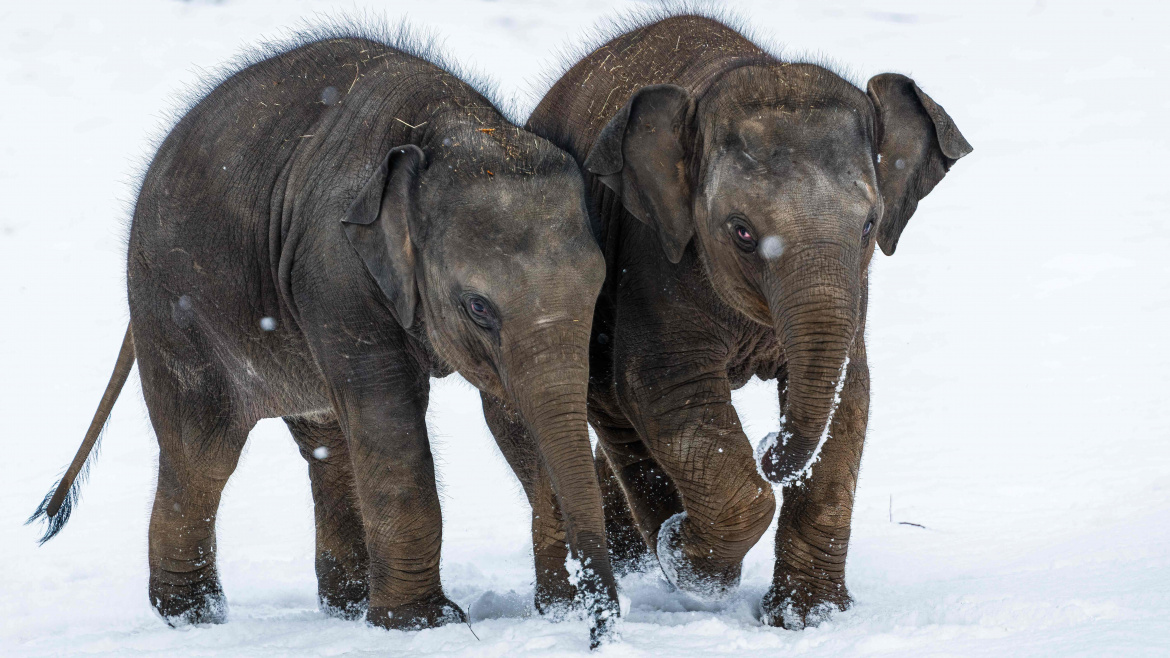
column 318, row 236
column 739, row 200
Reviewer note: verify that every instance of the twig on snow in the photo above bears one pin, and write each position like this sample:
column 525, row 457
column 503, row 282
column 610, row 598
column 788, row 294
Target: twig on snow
column 916, row 525
column 468, row 622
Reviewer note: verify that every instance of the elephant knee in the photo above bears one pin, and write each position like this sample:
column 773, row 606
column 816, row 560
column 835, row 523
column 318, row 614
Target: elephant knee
column 739, row 522
column 748, row 515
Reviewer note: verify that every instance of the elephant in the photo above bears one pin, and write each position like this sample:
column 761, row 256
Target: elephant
column 318, row 236
column 738, row 199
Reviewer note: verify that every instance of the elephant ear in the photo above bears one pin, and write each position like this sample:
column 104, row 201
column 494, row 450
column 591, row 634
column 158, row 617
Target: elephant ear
column 641, row 154
column 377, row 225
column 917, row 144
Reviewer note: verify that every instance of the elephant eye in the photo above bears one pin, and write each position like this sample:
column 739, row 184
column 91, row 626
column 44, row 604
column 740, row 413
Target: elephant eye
column 867, row 228
column 480, row 311
column 742, row 235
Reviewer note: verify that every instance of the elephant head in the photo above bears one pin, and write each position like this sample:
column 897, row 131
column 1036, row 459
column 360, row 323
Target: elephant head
column 484, row 241
column 783, row 176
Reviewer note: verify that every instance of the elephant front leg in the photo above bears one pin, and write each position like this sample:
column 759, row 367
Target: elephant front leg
column 812, row 539
column 343, row 588
column 684, row 413
column 394, row 476
column 555, row 594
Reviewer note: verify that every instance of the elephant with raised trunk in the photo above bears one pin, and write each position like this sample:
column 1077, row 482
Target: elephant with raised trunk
column 316, row 238
column 739, row 199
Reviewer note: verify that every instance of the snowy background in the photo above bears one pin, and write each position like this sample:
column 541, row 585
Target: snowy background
column 1017, row 344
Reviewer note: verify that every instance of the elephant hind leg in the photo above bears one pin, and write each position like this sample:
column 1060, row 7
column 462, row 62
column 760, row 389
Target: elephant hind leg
column 627, row 549
column 343, row 587
column 200, row 441
column 637, row 498
column 638, row 495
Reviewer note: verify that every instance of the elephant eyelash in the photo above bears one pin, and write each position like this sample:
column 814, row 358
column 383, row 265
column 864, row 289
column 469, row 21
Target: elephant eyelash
column 737, row 223
column 868, row 227
column 480, row 311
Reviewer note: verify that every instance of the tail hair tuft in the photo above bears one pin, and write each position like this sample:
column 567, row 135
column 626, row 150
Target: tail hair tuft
column 55, row 523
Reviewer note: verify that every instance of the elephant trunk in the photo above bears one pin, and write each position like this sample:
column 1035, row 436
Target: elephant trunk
column 549, row 384
column 814, row 301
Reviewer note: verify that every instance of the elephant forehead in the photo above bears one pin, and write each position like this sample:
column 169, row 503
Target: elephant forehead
column 802, row 188
column 515, row 257
column 776, row 137
column 780, row 154
column 488, row 264
column 791, row 171
column 503, row 208
column 520, row 239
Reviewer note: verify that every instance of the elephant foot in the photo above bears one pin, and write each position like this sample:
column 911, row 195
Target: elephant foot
column 555, row 598
column 628, row 552
column 796, row 602
column 702, row 577
column 642, row 562
column 431, row 612
column 604, row 623
column 202, row 603
column 341, row 592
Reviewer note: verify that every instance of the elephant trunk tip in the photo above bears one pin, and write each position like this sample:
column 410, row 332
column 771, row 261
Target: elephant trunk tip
column 778, row 459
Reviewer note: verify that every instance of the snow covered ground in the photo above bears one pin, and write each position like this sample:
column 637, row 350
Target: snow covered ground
column 1018, row 345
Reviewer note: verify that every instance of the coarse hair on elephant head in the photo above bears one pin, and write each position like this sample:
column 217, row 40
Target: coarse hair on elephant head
column 784, row 176
column 483, row 239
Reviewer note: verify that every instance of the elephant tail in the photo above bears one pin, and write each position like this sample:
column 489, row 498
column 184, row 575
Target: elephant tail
column 58, row 503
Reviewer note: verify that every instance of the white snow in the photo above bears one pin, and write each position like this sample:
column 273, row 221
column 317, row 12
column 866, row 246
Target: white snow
column 1017, row 349
column 668, row 558
column 772, row 247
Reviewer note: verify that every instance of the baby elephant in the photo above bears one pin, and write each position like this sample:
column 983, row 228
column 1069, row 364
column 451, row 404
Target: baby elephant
column 320, row 235
column 741, row 198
